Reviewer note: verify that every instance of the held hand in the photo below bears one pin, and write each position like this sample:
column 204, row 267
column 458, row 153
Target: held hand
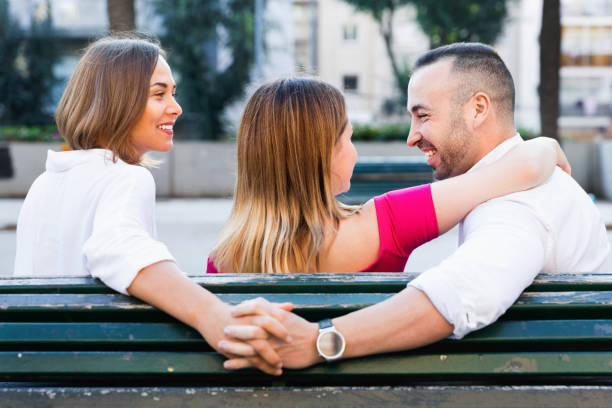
column 260, row 329
column 298, row 353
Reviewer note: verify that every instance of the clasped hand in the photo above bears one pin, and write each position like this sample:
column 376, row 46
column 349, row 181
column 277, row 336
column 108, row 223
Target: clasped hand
column 269, row 337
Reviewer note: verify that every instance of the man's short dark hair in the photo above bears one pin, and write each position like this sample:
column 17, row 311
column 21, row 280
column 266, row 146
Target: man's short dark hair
column 484, row 72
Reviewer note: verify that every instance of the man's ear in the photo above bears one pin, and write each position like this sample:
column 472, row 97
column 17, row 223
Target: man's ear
column 480, row 108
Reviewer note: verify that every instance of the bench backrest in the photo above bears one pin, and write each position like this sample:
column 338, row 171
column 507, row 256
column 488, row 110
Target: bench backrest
column 559, row 331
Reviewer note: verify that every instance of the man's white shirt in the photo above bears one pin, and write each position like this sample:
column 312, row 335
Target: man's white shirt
column 505, row 242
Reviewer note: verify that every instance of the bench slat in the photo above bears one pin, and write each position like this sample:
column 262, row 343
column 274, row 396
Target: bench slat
column 135, row 334
column 536, row 301
column 108, row 334
column 404, row 364
column 299, row 283
column 396, row 163
column 338, row 397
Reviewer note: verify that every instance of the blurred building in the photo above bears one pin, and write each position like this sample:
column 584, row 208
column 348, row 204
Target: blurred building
column 349, row 52
column 78, row 22
column 586, row 71
column 329, row 38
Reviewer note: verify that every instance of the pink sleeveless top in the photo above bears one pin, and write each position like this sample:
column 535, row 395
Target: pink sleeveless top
column 406, row 220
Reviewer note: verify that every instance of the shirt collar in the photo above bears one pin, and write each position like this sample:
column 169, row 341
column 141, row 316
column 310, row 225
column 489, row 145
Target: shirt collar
column 66, row 160
column 498, row 152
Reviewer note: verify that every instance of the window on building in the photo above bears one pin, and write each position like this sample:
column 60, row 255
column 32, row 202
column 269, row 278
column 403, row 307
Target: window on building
column 350, row 82
column 349, row 32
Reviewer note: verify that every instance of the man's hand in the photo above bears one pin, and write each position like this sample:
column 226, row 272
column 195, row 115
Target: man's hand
column 259, row 329
column 404, row 321
column 299, row 352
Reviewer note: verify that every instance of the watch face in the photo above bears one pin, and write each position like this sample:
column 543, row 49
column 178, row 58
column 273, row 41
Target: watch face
column 330, row 343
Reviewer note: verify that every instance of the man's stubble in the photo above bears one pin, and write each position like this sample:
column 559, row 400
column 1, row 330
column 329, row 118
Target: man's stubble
column 454, row 158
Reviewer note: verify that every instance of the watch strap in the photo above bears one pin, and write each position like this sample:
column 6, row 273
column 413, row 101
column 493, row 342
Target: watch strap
column 325, row 324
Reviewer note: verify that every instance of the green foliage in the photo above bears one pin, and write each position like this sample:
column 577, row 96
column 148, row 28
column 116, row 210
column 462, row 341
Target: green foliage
column 449, row 21
column 377, row 8
column 527, row 134
column 385, row 133
column 46, row 133
column 27, row 58
column 194, row 30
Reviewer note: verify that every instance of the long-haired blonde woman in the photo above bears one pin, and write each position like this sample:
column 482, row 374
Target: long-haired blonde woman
column 92, row 212
column 295, row 155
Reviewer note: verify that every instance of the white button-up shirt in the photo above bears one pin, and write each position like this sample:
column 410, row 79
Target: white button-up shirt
column 505, row 242
column 88, row 215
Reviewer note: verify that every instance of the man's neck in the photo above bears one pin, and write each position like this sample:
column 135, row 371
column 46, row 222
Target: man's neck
column 491, row 138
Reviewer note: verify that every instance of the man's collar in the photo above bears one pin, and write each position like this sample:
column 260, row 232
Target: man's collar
column 499, row 151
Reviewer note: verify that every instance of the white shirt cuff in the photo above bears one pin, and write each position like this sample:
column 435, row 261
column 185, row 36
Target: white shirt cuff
column 446, row 300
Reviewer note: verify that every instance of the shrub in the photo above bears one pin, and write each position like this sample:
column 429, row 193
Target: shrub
column 527, row 134
column 384, row 133
column 26, row 71
column 47, row 133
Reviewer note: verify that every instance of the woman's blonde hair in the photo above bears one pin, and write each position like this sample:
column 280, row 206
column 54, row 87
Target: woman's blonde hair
column 107, row 94
column 284, row 204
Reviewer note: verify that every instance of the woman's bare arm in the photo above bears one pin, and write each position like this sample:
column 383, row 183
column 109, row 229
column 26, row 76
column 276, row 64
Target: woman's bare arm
column 164, row 286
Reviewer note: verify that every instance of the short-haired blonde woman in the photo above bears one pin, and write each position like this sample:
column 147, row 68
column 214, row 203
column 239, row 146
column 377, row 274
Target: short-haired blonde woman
column 295, row 155
column 92, row 212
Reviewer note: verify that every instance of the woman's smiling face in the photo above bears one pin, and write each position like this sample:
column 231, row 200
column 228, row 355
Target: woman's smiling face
column 154, row 129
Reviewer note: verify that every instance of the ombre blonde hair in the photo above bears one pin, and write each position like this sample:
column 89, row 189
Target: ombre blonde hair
column 107, row 94
column 283, row 203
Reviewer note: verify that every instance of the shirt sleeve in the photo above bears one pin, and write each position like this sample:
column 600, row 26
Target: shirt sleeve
column 504, row 249
column 123, row 238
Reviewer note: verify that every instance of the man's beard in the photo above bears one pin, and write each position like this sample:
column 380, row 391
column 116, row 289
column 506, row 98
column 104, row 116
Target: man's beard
column 453, row 151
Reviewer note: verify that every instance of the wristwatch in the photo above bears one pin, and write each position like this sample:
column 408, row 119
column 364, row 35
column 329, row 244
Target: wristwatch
column 330, row 342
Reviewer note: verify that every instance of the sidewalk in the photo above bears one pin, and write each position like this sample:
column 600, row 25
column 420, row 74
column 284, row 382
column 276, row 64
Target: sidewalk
column 190, row 227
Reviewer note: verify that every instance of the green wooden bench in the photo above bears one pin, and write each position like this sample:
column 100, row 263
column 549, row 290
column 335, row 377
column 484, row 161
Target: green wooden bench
column 375, row 175
column 70, row 342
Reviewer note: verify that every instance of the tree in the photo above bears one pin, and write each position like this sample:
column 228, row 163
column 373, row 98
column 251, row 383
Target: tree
column 11, row 37
column 195, row 30
column 121, row 15
column 383, row 13
column 443, row 21
column 449, row 21
column 550, row 54
column 27, row 58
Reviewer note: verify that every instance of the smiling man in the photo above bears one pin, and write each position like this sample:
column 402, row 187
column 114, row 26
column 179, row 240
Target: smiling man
column 461, row 98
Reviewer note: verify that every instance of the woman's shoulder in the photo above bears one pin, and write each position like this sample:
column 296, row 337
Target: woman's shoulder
column 356, row 242
column 117, row 178
column 128, row 172
column 137, row 172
